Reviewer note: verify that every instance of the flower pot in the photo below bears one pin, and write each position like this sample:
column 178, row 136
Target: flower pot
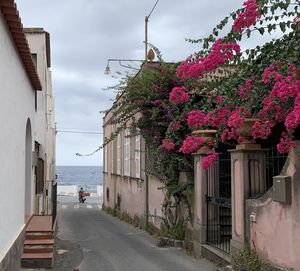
column 207, row 136
column 245, row 132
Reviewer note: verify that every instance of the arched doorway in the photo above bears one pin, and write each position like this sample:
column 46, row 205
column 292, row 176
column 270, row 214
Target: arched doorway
column 28, row 169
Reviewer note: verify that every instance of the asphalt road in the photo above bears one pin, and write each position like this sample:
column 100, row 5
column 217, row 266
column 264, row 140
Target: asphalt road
column 92, row 240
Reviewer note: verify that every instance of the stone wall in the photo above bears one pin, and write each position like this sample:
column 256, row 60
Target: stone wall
column 12, row 259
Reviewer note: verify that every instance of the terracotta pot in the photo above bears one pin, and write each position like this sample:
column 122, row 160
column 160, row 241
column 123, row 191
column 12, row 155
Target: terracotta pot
column 245, row 131
column 207, row 135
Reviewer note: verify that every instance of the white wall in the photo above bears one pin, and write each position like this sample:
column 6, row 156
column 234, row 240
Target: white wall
column 16, row 107
column 45, row 121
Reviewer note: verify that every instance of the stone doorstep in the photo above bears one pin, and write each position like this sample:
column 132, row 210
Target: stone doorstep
column 215, row 255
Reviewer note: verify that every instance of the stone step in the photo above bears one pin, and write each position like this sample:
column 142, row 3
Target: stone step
column 37, row 260
column 39, row 242
column 38, row 248
column 38, row 235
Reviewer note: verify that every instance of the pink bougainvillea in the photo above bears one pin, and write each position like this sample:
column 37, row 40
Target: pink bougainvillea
column 219, row 99
column 179, row 95
column 191, row 144
column 235, row 120
column 286, row 144
column 297, row 21
column 196, row 118
column 247, row 17
column 174, row 126
column 168, row 144
column 219, row 54
column 292, row 120
column 261, row 130
column 209, row 160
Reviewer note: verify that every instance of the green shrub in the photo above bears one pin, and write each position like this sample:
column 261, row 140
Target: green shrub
column 177, row 232
column 246, row 260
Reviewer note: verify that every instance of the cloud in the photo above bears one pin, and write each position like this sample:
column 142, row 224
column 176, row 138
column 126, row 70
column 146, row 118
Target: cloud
column 84, row 34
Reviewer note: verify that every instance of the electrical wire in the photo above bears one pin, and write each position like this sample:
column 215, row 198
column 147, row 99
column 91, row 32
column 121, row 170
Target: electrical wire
column 152, row 9
column 79, row 132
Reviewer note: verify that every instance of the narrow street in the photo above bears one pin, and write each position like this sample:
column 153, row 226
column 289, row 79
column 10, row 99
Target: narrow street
column 91, row 240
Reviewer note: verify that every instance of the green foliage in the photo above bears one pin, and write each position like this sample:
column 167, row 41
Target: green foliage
column 246, row 260
column 176, row 232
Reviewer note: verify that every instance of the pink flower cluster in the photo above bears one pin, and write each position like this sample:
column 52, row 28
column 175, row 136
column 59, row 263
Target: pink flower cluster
column 247, row 17
column 286, row 144
column 285, row 90
column 244, row 90
column 196, row 118
column 178, row 95
column 209, row 160
column 219, row 54
column 168, row 144
column 191, row 144
column 261, row 130
column 174, row 126
column 270, row 74
column 230, row 134
column 235, row 120
column 218, row 117
column 297, row 21
column 292, row 120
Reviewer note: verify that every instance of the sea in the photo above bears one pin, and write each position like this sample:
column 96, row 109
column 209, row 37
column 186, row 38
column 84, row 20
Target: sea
column 87, row 177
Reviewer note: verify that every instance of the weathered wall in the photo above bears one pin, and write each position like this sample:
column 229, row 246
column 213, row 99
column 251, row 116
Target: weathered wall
column 17, row 107
column 276, row 233
column 156, row 199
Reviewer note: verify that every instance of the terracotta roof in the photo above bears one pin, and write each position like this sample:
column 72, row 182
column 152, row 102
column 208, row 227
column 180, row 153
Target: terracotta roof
column 38, row 30
column 13, row 21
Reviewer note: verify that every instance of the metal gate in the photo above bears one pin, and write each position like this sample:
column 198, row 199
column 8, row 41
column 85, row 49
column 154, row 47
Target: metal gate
column 54, row 202
column 218, row 201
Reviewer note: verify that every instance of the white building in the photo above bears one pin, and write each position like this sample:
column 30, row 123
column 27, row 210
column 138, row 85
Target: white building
column 39, row 43
column 21, row 92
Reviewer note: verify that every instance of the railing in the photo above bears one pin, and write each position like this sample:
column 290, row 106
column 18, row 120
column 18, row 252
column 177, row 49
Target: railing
column 274, row 164
column 54, row 202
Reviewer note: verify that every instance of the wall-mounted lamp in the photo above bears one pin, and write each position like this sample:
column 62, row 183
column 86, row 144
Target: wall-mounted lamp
column 107, row 69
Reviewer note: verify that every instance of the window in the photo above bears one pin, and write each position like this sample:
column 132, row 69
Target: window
column 105, row 158
column 127, row 153
column 34, row 60
column 107, row 194
column 138, row 155
column 118, row 155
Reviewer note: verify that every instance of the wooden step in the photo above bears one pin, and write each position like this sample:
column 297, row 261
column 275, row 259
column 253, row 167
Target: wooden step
column 39, row 242
column 38, row 248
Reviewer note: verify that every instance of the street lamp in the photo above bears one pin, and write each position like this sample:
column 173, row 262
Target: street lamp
column 120, row 60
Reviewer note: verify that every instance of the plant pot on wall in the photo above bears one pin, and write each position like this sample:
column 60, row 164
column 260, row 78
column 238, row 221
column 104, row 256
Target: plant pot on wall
column 207, row 135
column 245, row 132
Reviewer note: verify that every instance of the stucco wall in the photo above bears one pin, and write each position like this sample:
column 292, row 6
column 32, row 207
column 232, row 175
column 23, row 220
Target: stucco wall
column 156, row 198
column 276, row 233
column 132, row 194
column 17, row 106
column 45, row 123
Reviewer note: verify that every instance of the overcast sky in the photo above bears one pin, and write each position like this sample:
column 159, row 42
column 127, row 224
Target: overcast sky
column 85, row 33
